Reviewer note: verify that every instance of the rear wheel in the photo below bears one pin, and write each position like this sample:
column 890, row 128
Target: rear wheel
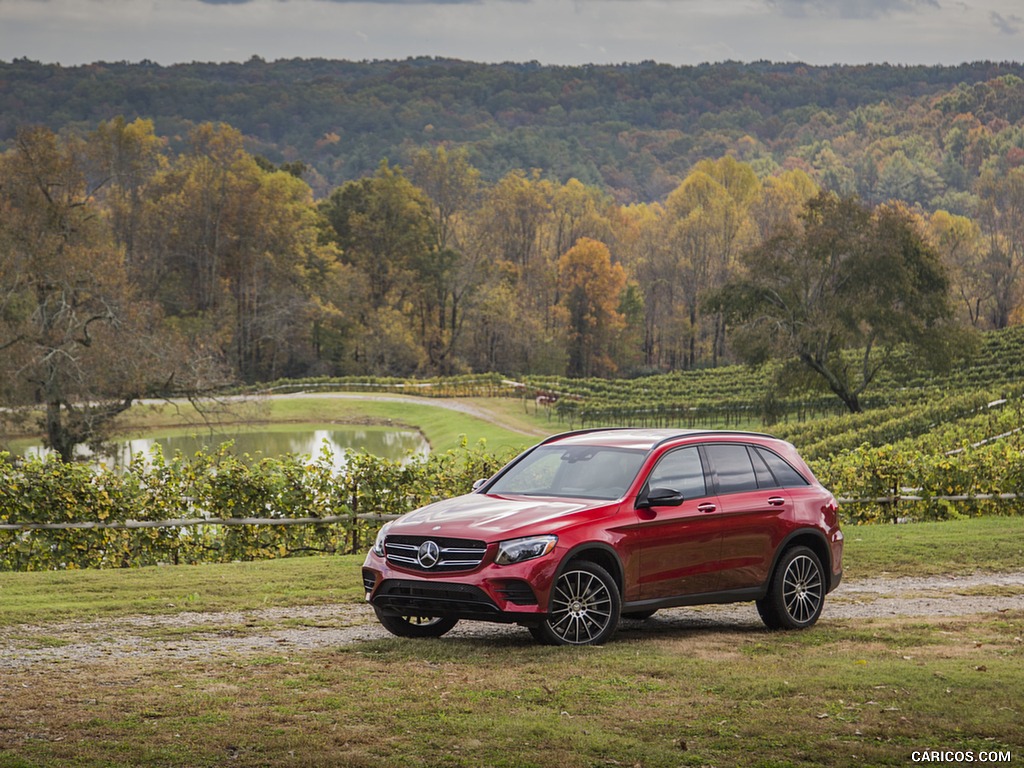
column 415, row 626
column 797, row 591
column 585, row 606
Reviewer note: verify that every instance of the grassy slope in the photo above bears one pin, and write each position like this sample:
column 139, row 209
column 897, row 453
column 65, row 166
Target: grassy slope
column 442, row 427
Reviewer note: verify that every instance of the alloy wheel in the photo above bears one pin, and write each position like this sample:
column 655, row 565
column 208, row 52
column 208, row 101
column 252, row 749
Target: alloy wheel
column 584, row 606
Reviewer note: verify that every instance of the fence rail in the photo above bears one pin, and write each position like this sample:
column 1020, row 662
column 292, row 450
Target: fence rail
column 194, row 521
column 382, row 518
column 963, row 497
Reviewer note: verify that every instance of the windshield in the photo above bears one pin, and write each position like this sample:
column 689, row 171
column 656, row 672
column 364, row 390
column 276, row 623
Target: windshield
column 578, row 471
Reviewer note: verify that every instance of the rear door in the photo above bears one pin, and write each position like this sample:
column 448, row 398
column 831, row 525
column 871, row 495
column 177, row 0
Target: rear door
column 679, row 546
column 754, row 506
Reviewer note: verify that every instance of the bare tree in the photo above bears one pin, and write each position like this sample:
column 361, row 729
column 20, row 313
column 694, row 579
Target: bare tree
column 76, row 341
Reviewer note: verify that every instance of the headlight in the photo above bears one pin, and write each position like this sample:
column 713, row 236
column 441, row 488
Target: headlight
column 518, row 550
column 378, row 545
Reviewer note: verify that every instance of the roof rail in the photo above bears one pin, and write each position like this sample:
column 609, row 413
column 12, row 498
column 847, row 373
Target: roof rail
column 701, row 433
column 575, row 432
column 675, row 436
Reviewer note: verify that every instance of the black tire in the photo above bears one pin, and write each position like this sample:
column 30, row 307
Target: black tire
column 585, row 606
column 639, row 615
column 796, row 594
column 415, row 626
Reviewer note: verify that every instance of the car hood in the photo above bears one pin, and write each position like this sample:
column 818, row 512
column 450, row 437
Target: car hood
column 480, row 516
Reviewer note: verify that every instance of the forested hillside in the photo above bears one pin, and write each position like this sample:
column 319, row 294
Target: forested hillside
column 171, row 230
column 920, row 134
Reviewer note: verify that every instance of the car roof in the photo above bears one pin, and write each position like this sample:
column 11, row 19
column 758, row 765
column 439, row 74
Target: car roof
column 641, row 439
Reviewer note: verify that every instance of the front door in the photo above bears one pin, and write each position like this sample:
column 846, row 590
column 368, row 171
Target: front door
column 679, row 545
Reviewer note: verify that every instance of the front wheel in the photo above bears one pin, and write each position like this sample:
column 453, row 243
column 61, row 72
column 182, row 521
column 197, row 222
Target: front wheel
column 585, row 606
column 415, row 626
column 796, row 594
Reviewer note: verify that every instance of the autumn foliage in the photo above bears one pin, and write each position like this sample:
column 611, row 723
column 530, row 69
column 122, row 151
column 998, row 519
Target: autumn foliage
column 132, row 264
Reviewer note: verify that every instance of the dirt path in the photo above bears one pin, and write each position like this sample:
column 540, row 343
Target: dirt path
column 298, row 629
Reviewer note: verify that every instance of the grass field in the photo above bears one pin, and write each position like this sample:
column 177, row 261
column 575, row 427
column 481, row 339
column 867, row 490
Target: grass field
column 843, row 694
column 848, row 692
column 921, row 549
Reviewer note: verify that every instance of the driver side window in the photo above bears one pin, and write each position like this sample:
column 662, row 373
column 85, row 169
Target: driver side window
column 682, row 471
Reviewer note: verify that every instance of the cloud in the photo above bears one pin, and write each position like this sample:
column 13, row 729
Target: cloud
column 850, row 9
column 1006, row 25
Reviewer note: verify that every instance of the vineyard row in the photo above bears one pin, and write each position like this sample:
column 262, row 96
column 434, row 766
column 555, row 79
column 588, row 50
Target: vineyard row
column 221, row 500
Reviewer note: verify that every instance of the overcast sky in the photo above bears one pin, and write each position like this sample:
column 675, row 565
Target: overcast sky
column 549, row 31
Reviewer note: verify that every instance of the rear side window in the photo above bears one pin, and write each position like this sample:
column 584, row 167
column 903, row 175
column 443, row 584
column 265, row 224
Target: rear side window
column 785, row 475
column 765, row 478
column 682, row 471
column 733, row 467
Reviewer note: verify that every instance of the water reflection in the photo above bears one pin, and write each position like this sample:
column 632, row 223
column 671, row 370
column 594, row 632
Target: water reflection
column 385, row 442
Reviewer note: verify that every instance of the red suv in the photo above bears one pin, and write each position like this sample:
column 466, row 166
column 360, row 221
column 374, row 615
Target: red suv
column 593, row 525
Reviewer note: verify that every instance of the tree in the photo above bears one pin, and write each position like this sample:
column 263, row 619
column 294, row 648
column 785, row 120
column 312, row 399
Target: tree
column 273, row 233
column 638, row 239
column 451, row 183
column 959, row 242
column 451, row 269
column 904, row 179
column 591, row 288
column 74, row 337
column 384, row 228
column 124, row 159
column 514, row 225
column 840, row 294
column 225, row 245
column 782, row 200
column 1001, row 217
column 577, row 211
column 517, row 206
column 707, row 223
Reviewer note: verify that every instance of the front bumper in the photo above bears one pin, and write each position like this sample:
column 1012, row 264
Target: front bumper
column 515, row 594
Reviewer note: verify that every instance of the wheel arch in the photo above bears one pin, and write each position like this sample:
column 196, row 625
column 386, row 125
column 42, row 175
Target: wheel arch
column 815, row 541
column 598, row 553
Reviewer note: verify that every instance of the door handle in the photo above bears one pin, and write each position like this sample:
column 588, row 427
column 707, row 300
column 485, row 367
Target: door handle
column 776, row 501
column 706, row 507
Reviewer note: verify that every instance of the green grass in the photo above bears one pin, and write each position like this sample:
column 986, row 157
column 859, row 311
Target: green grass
column 444, row 428
column 920, row 549
column 64, row 595
column 864, row 693
column 847, row 692
column 925, row 549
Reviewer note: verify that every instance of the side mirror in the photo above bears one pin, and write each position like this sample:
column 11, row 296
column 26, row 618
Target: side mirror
column 660, row 497
column 478, row 484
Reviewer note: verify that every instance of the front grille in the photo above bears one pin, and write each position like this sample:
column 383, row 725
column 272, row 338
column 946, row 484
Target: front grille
column 453, row 554
column 416, row 598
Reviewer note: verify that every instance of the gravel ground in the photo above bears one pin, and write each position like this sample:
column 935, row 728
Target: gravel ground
column 283, row 630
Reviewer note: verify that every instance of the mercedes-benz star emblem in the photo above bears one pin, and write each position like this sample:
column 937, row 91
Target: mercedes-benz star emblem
column 429, row 553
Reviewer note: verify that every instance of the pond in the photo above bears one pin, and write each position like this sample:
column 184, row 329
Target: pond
column 277, row 440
